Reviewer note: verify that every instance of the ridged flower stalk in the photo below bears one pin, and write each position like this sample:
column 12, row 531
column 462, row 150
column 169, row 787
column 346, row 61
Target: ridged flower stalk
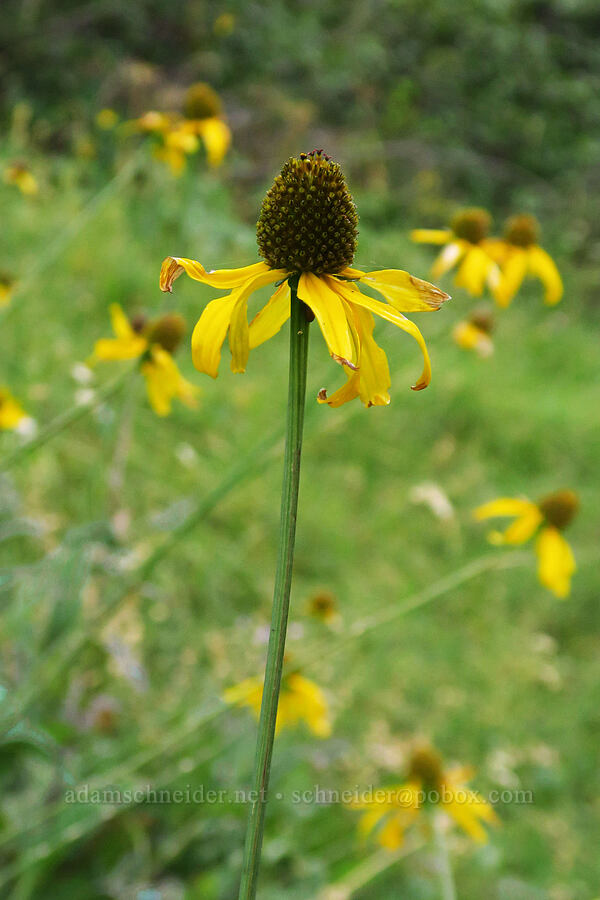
column 299, row 327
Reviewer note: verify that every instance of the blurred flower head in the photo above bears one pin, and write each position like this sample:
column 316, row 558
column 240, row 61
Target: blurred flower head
column 464, row 243
column 388, row 811
column 153, row 343
column 19, row 174
column 323, row 606
column 307, row 236
column 519, row 256
column 474, row 333
column 106, row 119
column 12, row 413
column 7, row 284
column 300, row 700
column 546, row 519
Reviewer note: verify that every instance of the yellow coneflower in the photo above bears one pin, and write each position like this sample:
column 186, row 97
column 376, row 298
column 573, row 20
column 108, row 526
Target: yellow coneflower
column 107, row 119
column 474, row 333
column 299, row 700
column 393, row 809
column 323, row 606
column 203, row 113
column 519, row 255
column 19, row 174
column 153, row 344
column 307, row 236
column 11, row 412
column 465, row 243
column 548, row 518
column 7, row 285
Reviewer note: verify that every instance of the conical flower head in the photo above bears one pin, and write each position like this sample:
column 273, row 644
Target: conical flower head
column 308, row 220
column 201, row 102
column 471, row 224
column 168, row 331
column 559, row 508
column 522, row 230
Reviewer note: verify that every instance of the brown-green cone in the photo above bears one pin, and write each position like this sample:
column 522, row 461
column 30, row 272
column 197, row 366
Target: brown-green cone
column 168, row 331
column 201, row 102
column 426, row 766
column 522, row 231
column 471, row 225
column 559, row 508
column 308, row 220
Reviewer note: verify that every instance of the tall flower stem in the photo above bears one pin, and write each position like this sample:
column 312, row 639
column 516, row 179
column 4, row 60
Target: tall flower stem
column 281, row 595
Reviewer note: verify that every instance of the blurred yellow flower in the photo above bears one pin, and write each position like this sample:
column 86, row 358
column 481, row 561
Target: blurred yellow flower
column 7, row 284
column 547, row 518
column 388, row 811
column 465, row 243
column 224, row 24
column 519, row 255
column 323, row 606
column 153, row 344
column 474, row 333
column 307, row 235
column 106, row 119
column 20, row 175
column 11, row 412
column 300, row 700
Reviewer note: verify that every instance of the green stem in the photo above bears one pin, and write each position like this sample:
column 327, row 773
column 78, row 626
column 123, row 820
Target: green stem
column 281, row 596
column 447, row 887
column 64, row 421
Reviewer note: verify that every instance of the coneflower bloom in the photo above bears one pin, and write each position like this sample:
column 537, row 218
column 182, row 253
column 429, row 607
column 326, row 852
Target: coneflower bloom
column 323, row 606
column 180, row 135
column 465, row 243
column 19, row 174
column 11, row 412
column 388, row 811
column 547, row 519
column 300, row 699
column 307, row 236
column 7, row 284
column 520, row 255
column 474, row 333
column 153, row 343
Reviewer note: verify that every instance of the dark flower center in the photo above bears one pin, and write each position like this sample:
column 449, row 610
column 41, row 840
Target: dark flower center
column 308, row 220
column 559, row 508
column 201, row 102
column 471, row 225
column 522, row 231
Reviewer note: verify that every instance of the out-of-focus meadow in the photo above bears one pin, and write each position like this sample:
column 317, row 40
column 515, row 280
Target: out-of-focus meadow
column 137, row 552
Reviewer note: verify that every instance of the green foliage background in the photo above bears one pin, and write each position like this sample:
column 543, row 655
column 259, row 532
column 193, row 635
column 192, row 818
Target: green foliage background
column 427, row 106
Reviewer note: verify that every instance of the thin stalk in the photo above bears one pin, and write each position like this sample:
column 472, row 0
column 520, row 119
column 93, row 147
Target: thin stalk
column 446, row 878
column 64, row 421
column 281, row 595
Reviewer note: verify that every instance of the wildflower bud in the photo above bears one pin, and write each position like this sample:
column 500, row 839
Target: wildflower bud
column 201, row 102
column 559, row 508
column 522, row 231
column 482, row 317
column 168, row 331
column 471, row 224
column 308, row 220
column 425, row 766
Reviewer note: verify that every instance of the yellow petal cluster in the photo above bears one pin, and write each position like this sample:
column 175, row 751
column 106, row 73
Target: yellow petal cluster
column 300, row 700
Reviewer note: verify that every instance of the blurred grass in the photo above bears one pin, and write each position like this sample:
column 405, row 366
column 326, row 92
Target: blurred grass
column 499, row 673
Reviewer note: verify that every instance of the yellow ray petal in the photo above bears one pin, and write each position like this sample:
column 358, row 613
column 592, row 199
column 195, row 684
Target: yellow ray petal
column 226, row 279
column 327, row 306
column 373, row 373
column 512, row 275
column 556, row 563
column 164, row 382
column 431, row 235
column 347, row 392
column 120, row 323
column 217, row 137
column 542, row 265
column 448, row 258
column 504, row 506
column 474, row 270
column 271, row 317
column 11, row 412
column 351, row 293
column 522, row 528
column 405, row 292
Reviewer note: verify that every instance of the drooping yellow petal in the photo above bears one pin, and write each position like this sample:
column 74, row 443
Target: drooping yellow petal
column 405, row 292
column 373, row 371
column 391, row 835
column 512, row 275
column 476, row 268
column 347, row 392
column 219, row 315
column 468, row 809
column 247, row 692
column 164, row 382
column 354, row 296
column 311, row 703
column 431, row 235
column 226, row 279
column 121, row 325
column 449, row 257
column 327, row 306
column 522, row 528
column 271, row 317
column 543, row 266
column 504, row 506
column 496, row 248
column 126, row 345
column 556, row 563
column 217, row 137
